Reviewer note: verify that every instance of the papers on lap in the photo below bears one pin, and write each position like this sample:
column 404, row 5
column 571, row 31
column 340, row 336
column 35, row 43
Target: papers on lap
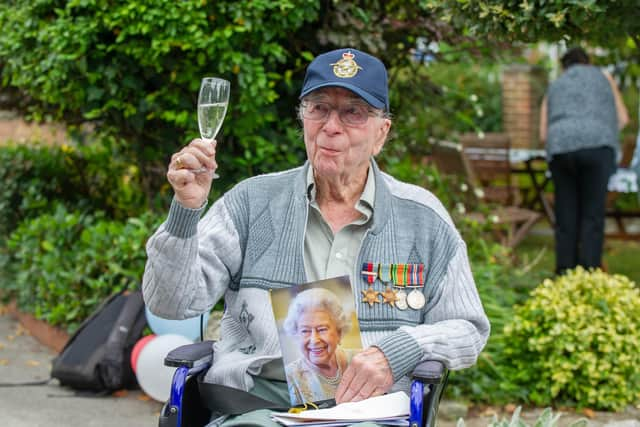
column 389, row 409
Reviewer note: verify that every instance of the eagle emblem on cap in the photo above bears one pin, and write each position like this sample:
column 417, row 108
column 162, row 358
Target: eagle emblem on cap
column 346, row 67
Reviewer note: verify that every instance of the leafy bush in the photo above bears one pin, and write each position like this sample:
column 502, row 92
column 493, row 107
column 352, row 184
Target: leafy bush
column 31, row 176
column 61, row 265
column 577, row 341
column 134, row 69
column 95, row 177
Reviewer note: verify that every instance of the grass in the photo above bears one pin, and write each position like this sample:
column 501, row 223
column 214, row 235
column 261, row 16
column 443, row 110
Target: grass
column 537, row 251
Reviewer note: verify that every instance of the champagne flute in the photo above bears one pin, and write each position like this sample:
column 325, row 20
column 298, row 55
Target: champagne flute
column 213, row 100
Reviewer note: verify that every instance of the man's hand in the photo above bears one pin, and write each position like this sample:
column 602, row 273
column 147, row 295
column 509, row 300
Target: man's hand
column 191, row 171
column 367, row 375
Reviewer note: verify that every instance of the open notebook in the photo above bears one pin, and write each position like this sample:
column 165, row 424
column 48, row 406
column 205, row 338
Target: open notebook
column 319, row 334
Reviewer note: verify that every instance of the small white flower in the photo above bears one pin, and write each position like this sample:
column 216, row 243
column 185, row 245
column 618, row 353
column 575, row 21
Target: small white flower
column 481, row 135
column 473, row 97
column 464, row 187
column 479, row 193
column 494, row 218
column 479, row 112
column 460, row 208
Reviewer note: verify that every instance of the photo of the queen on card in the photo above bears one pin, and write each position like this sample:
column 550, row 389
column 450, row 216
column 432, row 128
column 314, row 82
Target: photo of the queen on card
column 318, row 335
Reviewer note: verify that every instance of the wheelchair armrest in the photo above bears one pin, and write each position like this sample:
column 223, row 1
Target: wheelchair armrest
column 429, row 372
column 429, row 381
column 190, row 355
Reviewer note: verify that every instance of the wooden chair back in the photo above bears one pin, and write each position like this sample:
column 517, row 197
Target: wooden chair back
column 451, row 159
column 489, row 157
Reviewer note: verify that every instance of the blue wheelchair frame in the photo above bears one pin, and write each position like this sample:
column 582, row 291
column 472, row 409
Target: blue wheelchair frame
column 183, row 409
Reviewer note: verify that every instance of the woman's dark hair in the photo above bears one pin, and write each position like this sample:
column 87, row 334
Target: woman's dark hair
column 575, row 55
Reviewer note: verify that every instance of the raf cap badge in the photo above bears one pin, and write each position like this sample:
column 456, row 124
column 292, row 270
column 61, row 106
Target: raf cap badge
column 346, row 67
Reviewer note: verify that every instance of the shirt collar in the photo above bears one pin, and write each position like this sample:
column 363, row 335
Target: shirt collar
column 365, row 204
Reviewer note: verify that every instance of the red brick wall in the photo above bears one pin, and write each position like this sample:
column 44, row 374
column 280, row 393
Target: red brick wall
column 523, row 88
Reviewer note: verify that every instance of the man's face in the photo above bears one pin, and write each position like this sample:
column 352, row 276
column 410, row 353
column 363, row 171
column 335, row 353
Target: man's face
column 318, row 337
column 336, row 149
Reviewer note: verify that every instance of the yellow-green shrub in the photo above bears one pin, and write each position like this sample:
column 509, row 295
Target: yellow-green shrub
column 577, row 341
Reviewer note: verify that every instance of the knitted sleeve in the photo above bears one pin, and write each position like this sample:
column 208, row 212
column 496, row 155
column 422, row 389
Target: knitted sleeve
column 190, row 261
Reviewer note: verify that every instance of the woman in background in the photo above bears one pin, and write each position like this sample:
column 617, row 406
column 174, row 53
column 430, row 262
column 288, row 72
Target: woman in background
column 580, row 119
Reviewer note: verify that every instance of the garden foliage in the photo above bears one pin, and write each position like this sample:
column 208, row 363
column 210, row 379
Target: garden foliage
column 134, row 68
column 73, row 227
column 533, row 21
column 577, row 341
column 65, row 263
column 94, row 177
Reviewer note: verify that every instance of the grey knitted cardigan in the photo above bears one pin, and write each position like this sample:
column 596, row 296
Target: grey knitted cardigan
column 252, row 240
column 581, row 112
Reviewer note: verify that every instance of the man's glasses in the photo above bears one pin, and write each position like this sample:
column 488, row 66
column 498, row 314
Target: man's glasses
column 349, row 114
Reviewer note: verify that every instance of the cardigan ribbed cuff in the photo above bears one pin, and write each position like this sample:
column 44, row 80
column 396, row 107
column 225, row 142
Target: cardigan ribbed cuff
column 183, row 222
column 402, row 352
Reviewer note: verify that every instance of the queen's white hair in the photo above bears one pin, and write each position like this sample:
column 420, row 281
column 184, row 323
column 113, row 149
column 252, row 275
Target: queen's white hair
column 316, row 298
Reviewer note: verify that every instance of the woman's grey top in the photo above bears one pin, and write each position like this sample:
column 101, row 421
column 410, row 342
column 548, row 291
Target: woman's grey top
column 581, row 112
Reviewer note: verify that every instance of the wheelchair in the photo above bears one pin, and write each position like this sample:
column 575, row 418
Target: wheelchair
column 187, row 407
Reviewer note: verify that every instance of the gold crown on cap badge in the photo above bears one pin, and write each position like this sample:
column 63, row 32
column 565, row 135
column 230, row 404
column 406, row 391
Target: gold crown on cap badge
column 346, row 67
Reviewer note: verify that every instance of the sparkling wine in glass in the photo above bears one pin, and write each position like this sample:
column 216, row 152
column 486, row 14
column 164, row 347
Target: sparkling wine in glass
column 213, row 100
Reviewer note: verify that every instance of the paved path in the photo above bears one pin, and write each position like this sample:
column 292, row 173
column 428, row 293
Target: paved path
column 22, row 358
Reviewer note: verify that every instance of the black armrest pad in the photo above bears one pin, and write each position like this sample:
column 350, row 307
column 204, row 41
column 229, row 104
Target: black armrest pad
column 430, row 371
column 190, row 355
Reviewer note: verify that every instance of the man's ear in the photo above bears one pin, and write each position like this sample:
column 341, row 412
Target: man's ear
column 381, row 135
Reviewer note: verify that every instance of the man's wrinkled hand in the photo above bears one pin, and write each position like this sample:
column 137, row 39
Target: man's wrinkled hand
column 191, row 172
column 368, row 375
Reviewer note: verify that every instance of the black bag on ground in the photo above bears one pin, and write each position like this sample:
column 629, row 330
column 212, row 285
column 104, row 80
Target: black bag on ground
column 97, row 356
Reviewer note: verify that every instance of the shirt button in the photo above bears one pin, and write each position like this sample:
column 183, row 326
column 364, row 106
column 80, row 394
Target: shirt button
column 339, row 255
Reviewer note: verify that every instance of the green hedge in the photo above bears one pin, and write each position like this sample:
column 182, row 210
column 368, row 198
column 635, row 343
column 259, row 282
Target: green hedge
column 87, row 178
column 61, row 265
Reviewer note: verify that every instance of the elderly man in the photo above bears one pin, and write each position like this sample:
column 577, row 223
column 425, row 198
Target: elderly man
column 336, row 215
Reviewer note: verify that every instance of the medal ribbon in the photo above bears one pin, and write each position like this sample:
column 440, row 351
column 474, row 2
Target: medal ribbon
column 385, row 273
column 368, row 272
column 416, row 274
column 399, row 274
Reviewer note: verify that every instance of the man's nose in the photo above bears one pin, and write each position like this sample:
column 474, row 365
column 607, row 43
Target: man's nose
column 333, row 120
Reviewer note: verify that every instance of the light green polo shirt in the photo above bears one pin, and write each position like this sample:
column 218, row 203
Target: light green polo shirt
column 327, row 255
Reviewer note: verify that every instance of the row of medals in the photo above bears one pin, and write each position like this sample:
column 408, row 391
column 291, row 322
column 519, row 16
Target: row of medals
column 395, row 298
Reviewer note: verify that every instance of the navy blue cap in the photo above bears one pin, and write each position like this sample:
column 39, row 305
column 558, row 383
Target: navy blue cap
column 359, row 72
